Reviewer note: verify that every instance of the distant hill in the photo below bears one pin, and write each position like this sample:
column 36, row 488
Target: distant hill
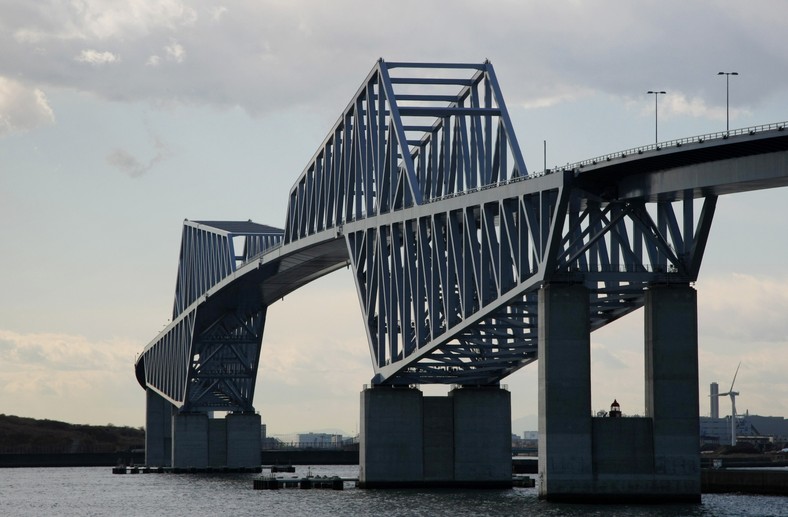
column 20, row 435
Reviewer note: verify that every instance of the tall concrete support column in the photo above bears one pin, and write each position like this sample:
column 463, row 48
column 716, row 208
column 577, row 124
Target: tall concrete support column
column 565, row 425
column 158, row 430
column 243, row 440
column 391, row 440
column 671, row 354
column 190, row 440
column 482, row 436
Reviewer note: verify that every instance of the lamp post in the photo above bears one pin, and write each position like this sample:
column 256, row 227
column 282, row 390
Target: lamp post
column 727, row 97
column 656, row 95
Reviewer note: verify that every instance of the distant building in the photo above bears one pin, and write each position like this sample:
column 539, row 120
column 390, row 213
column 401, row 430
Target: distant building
column 312, row 440
column 774, row 426
column 759, row 429
column 525, row 445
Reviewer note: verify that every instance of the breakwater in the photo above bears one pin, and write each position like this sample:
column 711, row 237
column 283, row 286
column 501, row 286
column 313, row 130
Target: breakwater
column 137, row 457
column 77, row 459
column 744, row 481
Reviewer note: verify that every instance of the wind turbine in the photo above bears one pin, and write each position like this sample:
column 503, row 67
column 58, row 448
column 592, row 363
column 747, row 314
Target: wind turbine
column 732, row 394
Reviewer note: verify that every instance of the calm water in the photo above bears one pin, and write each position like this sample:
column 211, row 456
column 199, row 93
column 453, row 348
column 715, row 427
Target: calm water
column 96, row 491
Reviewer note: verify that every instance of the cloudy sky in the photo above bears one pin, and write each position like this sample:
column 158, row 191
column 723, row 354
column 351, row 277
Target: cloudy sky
column 119, row 119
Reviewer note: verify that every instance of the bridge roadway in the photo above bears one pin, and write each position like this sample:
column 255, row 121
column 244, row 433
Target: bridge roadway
column 467, row 268
column 696, row 167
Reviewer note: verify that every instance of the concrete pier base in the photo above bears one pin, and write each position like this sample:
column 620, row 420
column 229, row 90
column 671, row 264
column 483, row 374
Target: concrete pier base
column 217, row 442
column 408, row 440
column 243, row 440
column 158, row 430
column 190, row 440
column 482, row 435
column 193, row 440
column 647, row 459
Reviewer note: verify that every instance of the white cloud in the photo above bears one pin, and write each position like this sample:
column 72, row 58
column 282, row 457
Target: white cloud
column 680, row 104
column 128, row 164
column 60, row 352
column 22, row 108
column 218, row 12
column 745, row 307
column 91, row 20
column 94, row 57
column 175, row 52
column 67, row 377
column 553, row 97
column 545, row 63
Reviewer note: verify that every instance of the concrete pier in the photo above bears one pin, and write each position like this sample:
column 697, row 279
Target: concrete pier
column 243, row 440
column 482, row 434
column 190, row 440
column 391, row 447
column 408, row 440
column 158, row 429
column 193, row 440
column 650, row 459
column 565, row 435
column 671, row 352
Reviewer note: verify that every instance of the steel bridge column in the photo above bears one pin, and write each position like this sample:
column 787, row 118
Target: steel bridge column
column 671, row 354
column 565, row 445
column 158, row 430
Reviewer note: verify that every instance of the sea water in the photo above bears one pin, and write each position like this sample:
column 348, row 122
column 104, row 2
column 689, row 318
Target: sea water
column 95, row 491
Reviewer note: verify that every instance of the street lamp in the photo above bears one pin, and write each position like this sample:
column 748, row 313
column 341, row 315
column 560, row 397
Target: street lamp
column 656, row 95
column 727, row 97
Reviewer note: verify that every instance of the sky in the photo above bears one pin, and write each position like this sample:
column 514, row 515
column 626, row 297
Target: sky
column 120, row 119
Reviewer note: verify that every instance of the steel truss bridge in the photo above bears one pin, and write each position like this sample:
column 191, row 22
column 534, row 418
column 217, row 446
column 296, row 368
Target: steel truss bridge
column 421, row 188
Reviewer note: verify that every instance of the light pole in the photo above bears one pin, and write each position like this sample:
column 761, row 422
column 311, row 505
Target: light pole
column 656, row 95
column 727, row 97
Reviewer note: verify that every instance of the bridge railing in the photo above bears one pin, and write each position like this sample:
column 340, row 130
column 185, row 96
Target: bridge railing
column 751, row 130
column 275, row 444
column 779, row 126
column 259, row 255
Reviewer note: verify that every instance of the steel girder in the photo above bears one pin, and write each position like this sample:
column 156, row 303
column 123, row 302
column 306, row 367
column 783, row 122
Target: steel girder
column 207, row 358
column 413, row 133
column 617, row 249
column 208, row 255
column 416, row 134
column 449, row 291
column 450, row 238
column 223, row 366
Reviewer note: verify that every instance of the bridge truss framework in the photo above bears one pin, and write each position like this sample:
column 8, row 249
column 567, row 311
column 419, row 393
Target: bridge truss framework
column 421, row 187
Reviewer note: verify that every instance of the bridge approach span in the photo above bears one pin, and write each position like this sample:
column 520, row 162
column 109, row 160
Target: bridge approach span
column 467, row 267
column 449, row 245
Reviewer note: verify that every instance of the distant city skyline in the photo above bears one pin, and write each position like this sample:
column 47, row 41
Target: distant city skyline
column 119, row 121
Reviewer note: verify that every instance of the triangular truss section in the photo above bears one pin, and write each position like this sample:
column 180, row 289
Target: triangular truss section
column 414, row 133
column 224, row 363
column 620, row 248
column 445, row 296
